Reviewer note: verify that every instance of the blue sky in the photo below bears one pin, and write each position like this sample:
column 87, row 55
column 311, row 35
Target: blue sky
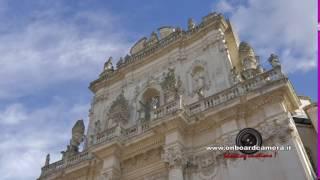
column 51, row 50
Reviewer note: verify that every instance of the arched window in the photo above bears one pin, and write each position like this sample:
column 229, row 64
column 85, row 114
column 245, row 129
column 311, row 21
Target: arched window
column 150, row 100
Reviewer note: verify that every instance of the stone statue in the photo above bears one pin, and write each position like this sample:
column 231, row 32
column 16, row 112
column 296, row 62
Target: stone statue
column 274, row 61
column 120, row 62
column 199, row 82
column 108, row 65
column 76, row 139
column 146, row 110
column 191, row 24
column 155, row 102
column 97, row 126
column 77, row 133
column 47, row 160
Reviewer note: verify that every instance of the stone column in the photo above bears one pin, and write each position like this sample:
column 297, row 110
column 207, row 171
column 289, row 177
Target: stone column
column 111, row 163
column 111, row 169
column 174, row 155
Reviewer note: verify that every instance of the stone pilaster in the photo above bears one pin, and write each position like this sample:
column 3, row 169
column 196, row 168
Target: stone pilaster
column 174, row 155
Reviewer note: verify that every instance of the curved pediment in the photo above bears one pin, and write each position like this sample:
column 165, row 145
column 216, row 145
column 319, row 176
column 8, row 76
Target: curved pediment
column 165, row 31
column 144, row 42
column 138, row 46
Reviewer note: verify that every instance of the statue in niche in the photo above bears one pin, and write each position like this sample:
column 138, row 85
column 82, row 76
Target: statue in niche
column 97, row 126
column 198, row 78
column 274, row 61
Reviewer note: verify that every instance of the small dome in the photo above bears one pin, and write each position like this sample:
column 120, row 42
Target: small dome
column 247, row 56
column 245, row 50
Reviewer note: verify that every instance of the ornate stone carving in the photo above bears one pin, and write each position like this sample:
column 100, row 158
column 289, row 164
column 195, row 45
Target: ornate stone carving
column 169, row 81
column 249, row 61
column 141, row 160
column 109, row 175
column 207, row 166
column 174, row 156
column 108, row 65
column 199, row 84
column 235, row 76
column 171, row 85
column 108, row 68
column 279, row 130
column 119, row 110
column 153, row 39
column 165, row 31
column 97, row 127
column 138, row 46
column 77, row 138
column 198, row 81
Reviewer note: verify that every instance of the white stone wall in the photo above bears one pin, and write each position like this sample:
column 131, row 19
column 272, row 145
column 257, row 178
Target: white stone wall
column 209, row 53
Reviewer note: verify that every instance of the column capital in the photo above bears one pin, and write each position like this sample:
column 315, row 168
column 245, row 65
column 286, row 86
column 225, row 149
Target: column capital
column 174, row 155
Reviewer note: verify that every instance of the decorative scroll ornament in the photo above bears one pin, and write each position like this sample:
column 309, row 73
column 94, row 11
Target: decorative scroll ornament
column 207, row 165
column 119, row 110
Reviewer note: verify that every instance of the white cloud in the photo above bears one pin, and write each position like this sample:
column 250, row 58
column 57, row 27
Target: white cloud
column 13, row 114
column 286, row 27
column 224, row 6
column 50, row 50
column 38, row 52
column 24, row 145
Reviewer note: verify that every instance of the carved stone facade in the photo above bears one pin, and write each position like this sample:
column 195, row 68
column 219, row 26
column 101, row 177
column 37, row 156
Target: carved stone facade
column 177, row 93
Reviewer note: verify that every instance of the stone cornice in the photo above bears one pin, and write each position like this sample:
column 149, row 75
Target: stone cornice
column 178, row 39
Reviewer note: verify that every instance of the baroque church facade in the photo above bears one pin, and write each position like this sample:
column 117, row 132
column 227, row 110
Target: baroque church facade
column 177, row 92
